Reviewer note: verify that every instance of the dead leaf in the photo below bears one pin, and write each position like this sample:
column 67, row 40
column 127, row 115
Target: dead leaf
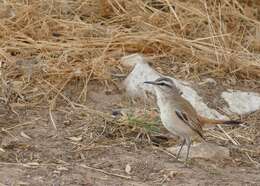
column 23, row 183
column 128, row 169
column 61, row 168
column 2, row 150
column 77, row 139
column 25, row 135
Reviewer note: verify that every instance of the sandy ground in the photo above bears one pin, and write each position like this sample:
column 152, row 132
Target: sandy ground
column 47, row 46
column 88, row 150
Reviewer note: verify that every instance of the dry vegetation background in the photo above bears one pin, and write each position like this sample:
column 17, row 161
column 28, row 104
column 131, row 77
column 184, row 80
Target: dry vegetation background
column 51, row 50
column 47, row 44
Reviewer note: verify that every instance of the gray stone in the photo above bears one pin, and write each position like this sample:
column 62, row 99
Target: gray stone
column 203, row 150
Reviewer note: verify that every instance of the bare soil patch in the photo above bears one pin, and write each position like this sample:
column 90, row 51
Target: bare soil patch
column 60, row 83
column 90, row 150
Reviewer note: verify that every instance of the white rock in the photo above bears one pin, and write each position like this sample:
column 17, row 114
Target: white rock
column 134, row 82
column 197, row 102
column 141, row 72
column 203, row 150
column 241, row 102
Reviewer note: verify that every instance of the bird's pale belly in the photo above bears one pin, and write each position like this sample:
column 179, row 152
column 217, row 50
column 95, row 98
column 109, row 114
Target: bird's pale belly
column 171, row 122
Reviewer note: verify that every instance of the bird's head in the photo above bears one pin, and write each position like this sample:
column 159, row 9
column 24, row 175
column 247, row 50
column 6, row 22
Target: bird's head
column 165, row 85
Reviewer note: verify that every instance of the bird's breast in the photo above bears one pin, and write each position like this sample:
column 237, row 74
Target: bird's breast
column 171, row 121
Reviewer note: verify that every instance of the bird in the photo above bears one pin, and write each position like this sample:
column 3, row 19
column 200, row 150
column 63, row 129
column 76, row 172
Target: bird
column 178, row 115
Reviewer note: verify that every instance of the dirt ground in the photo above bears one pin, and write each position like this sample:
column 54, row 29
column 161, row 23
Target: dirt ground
column 60, row 72
column 87, row 149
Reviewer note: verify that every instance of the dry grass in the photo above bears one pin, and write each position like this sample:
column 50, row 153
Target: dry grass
column 46, row 45
column 49, row 46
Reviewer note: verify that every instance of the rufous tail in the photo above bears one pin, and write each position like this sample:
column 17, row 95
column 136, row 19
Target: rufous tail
column 206, row 121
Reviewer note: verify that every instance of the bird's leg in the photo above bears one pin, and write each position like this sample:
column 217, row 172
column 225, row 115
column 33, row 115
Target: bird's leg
column 179, row 151
column 188, row 143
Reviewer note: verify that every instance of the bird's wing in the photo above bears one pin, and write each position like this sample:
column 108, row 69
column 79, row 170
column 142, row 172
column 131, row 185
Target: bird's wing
column 192, row 122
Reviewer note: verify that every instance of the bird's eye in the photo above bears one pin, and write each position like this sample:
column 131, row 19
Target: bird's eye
column 162, row 84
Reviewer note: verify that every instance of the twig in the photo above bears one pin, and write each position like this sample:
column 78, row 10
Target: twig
column 9, row 133
column 253, row 161
column 34, row 164
column 105, row 172
column 228, row 136
column 59, row 93
column 52, row 119
column 21, row 124
column 174, row 13
column 165, row 151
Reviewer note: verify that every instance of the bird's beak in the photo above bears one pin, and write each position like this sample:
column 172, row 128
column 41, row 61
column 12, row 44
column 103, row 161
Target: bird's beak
column 150, row 82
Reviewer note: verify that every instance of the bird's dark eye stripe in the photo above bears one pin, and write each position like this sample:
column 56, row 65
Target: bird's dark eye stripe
column 164, row 84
